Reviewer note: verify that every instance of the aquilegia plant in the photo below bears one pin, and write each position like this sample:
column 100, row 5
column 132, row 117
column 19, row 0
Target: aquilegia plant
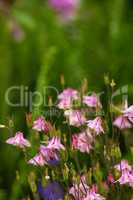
column 79, row 153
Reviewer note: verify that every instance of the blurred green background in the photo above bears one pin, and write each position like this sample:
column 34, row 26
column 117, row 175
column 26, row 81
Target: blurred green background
column 36, row 49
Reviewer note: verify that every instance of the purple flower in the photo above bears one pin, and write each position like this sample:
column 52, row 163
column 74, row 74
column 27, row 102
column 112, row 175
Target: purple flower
column 41, row 125
column 19, row 141
column 52, row 191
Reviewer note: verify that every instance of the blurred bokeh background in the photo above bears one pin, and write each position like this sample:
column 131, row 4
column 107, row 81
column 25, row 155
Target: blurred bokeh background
column 37, row 47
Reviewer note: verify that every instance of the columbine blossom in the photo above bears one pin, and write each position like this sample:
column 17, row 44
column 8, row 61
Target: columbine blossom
column 19, row 141
column 122, row 122
column 55, row 143
column 41, row 125
column 75, row 117
column 48, row 154
column 123, row 165
column 65, row 104
column 69, row 94
column 79, row 191
column 51, row 156
column 92, row 195
column 67, row 97
column 96, row 125
column 126, row 173
column 91, row 101
column 65, row 8
column 38, row 160
column 128, row 112
column 82, row 142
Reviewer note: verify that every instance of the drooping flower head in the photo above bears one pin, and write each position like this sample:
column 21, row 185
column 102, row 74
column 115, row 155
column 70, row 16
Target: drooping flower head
column 126, row 173
column 38, row 160
column 122, row 122
column 69, row 94
column 128, row 112
column 19, row 141
column 55, row 143
column 41, row 125
column 92, row 195
column 91, row 101
column 82, row 142
column 75, row 117
column 96, row 125
column 66, row 98
column 79, row 191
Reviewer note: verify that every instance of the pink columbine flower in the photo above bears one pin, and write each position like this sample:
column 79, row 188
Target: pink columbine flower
column 92, row 195
column 41, row 125
column 79, row 191
column 65, row 8
column 96, row 125
column 122, row 122
column 91, row 101
column 126, row 178
column 82, row 142
column 65, row 104
column 69, row 94
column 126, row 173
column 38, row 160
column 123, row 165
column 48, row 153
column 55, row 143
column 66, row 98
column 19, row 141
column 128, row 112
column 75, row 117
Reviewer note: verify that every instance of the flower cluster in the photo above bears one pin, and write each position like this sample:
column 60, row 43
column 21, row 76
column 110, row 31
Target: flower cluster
column 74, row 167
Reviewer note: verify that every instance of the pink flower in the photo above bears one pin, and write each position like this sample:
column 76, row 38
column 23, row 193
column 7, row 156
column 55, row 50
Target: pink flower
column 92, row 195
column 82, row 142
column 79, row 191
column 123, row 165
column 122, row 122
column 55, row 143
column 96, row 125
column 65, row 104
column 69, row 94
column 41, row 125
column 38, row 160
column 126, row 173
column 75, row 117
column 66, row 98
column 48, row 154
column 18, row 140
column 128, row 112
column 126, row 178
column 65, row 8
column 91, row 101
